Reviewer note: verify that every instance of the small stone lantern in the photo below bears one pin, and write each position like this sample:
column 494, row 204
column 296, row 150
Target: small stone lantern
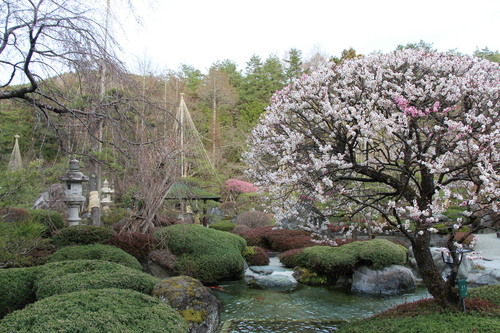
column 74, row 199
column 106, row 192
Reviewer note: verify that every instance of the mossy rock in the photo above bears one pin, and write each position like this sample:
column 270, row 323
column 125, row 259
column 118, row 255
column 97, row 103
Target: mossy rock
column 93, row 311
column 73, row 275
column 96, row 252
column 309, row 277
column 195, row 302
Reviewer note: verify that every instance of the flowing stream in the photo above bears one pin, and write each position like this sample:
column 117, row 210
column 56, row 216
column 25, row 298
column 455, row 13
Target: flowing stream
column 305, row 309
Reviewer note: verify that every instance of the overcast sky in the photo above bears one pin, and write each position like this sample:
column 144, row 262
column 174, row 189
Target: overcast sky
column 201, row 32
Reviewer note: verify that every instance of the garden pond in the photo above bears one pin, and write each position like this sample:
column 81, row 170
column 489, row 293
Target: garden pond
column 305, row 309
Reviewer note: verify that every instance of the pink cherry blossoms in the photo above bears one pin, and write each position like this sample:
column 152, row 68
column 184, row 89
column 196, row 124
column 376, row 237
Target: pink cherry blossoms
column 414, row 128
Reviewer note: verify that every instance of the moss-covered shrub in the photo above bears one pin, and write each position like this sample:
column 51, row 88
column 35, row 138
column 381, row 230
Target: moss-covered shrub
column 82, row 235
column 206, row 254
column 16, row 288
column 67, row 276
column 254, row 219
column 335, row 261
column 135, row 243
column 109, row 310
column 223, row 225
column 256, row 256
column 279, row 240
column 95, row 252
column 489, row 293
column 51, row 219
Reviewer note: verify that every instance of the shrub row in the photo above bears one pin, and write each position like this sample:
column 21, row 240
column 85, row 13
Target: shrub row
column 206, row 254
column 106, row 310
column 279, row 240
column 95, row 252
column 82, row 235
column 223, row 225
column 334, row 261
column 67, row 276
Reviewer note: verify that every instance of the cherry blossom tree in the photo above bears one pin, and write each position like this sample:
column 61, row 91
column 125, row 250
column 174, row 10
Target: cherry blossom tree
column 405, row 135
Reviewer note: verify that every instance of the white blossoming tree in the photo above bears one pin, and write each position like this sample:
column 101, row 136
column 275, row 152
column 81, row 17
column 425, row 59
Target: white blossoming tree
column 406, row 135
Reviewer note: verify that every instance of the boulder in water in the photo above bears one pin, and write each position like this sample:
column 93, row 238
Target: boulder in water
column 390, row 280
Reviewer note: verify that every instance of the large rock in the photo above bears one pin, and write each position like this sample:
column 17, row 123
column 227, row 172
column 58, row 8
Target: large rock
column 195, row 302
column 437, row 256
column 391, row 280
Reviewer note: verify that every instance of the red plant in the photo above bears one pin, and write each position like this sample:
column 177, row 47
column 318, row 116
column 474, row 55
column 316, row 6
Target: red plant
column 239, row 186
column 135, row 243
column 258, row 258
column 277, row 239
column 14, row 214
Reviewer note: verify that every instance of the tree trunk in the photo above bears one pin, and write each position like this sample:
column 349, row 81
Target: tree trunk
column 443, row 291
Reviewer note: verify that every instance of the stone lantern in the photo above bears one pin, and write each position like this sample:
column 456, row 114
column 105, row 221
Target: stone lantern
column 74, row 199
column 106, row 192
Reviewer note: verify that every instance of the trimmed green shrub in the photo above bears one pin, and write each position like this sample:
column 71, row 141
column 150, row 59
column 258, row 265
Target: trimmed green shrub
column 73, row 275
column 135, row 243
column 108, row 310
column 223, row 225
column 490, row 293
column 51, row 219
column 256, row 256
column 96, row 252
column 334, row 261
column 206, row 254
column 16, row 288
column 17, row 240
column 82, row 235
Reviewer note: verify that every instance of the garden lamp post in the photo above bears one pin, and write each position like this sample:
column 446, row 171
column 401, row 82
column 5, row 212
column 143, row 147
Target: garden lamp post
column 74, row 187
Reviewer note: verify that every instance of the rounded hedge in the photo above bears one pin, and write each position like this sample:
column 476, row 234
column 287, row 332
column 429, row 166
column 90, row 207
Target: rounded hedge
column 223, row 225
column 68, row 276
column 16, row 288
column 96, row 252
column 82, row 235
column 206, row 254
column 376, row 253
column 106, row 310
